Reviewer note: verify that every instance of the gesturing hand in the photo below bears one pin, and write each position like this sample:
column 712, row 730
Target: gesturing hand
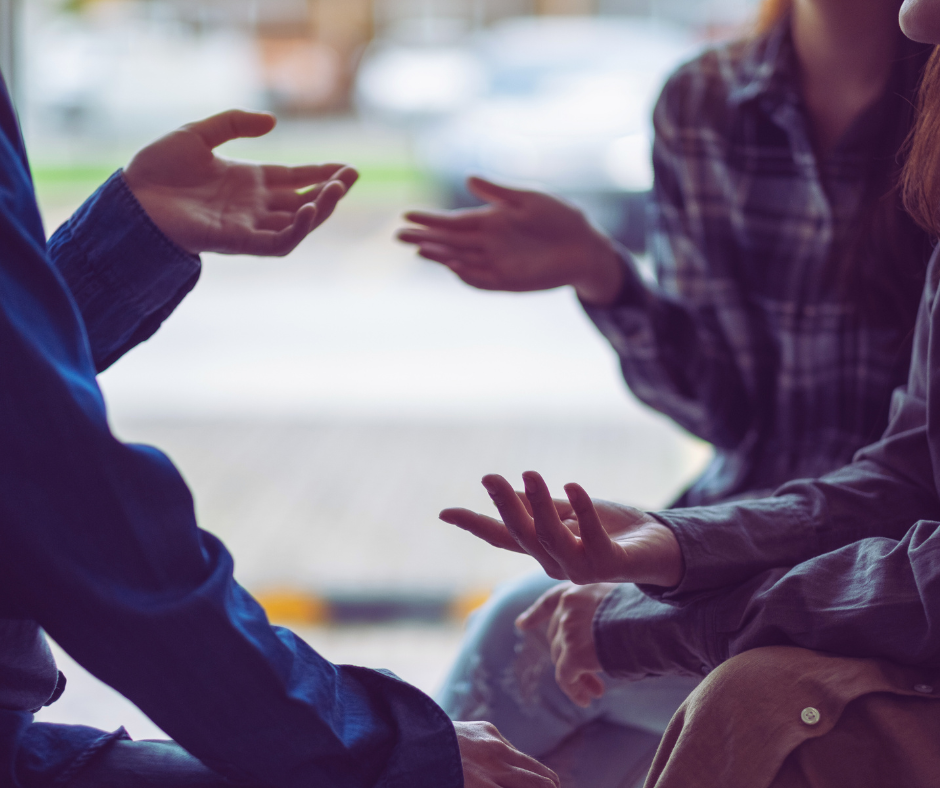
column 489, row 761
column 569, row 610
column 520, row 241
column 573, row 540
column 206, row 203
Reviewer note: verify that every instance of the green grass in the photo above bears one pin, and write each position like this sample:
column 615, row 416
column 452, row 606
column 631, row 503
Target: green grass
column 64, row 184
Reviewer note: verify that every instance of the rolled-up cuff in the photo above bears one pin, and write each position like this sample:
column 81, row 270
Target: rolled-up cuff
column 124, row 274
column 638, row 637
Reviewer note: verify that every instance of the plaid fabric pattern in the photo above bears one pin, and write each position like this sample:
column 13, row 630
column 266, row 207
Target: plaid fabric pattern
column 749, row 341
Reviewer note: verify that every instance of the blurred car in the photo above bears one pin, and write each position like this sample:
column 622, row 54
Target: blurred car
column 119, row 73
column 558, row 103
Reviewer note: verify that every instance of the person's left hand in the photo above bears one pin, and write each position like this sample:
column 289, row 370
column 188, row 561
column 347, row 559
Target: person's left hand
column 577, row 540
column 569, row 610
column 207, row 203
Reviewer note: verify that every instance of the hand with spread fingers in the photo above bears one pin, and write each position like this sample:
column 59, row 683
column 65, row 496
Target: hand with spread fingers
column 207, row 203
column 578, row 540
column 567, row 611
column 520, row 241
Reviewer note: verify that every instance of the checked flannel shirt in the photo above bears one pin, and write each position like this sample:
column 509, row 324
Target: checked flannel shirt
column 747, row 341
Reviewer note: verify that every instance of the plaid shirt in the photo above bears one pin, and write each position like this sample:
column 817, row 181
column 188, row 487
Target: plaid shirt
column 749, row 341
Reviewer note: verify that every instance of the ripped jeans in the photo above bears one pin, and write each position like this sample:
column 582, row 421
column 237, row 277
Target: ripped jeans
column 506, row 677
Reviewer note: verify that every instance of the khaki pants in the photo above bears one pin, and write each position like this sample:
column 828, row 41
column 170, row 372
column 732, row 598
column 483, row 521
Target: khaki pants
column 785, row 717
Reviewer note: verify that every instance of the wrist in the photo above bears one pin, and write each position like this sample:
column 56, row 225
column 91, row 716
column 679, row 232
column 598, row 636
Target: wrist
column 602, row 278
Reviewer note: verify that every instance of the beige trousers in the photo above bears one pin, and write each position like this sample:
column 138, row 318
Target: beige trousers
column 785, row 717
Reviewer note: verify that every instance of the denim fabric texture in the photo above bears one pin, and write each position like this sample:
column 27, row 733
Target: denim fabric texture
column 507, row 677
column 102, row 550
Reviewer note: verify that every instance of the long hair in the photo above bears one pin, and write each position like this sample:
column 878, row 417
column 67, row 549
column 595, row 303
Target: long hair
column 920, row 180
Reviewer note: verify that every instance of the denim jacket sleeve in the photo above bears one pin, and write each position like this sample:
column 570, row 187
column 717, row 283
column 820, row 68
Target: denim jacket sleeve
column 102, row 549
column 125, row 275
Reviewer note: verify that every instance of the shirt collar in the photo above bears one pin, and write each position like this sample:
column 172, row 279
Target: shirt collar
column 767, row 68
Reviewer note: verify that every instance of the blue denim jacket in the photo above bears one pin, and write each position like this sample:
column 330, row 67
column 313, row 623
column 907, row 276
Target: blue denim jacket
column 100, row 545
column 848, row 563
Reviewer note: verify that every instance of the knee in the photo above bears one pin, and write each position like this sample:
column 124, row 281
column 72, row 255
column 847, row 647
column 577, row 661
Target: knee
column 497, row 617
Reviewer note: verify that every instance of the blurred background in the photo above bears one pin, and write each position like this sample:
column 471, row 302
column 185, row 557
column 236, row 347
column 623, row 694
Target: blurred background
column 326, row 406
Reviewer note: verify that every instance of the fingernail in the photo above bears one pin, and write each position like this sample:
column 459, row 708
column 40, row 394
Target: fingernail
column 528, row 484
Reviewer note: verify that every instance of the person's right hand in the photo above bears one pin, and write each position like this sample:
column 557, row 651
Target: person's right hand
column 567, row 611
column 521, row 241
column 489, row 761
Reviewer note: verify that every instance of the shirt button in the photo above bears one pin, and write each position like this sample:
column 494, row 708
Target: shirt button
column 809, row 715
column 926, row 689
column 704, row 670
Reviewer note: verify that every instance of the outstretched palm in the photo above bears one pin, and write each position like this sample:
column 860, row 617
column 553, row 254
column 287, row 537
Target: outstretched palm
column 205, row 202
column 579, row 539
column 521, row 241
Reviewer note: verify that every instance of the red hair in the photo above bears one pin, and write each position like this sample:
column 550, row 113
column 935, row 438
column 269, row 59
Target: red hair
column 920, row 180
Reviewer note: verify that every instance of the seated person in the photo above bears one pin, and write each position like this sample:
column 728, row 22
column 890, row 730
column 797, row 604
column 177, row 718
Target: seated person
column 788, row 282
column 813, row 612
column 100, row 546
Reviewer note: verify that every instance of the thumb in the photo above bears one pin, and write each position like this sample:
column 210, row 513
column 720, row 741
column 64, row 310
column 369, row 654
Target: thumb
column 493, row 193
column 542, row 609
column 231, row 125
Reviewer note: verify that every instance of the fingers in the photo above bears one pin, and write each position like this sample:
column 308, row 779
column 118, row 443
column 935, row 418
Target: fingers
column 303, row 176
column 582, row 688
column 595, row 539
column 486, row 528
column 449, row 256
column 277, row 243
column 525, row 501
column 231, row 125
column 493, row 193
column 555, row 538
column 489, row 761
column 287, row 198
column 327, row 200
column 519, row 523
column 542, row 610
column 465, row 220
column 458, row 240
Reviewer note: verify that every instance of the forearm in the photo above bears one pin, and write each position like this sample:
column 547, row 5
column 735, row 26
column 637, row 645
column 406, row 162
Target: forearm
column 101, row 548
column 874, row 598
column 675, row 360
column 147, row 603
column 638, row 637
column 124, row 274
column 877, row 598
column 887, row 488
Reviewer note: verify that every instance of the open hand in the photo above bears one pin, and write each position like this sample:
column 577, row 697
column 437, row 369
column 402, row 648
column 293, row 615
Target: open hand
column 567, row 611
column 576, row 540
column 521, row 241
column 489, row 761
column 206, row 203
